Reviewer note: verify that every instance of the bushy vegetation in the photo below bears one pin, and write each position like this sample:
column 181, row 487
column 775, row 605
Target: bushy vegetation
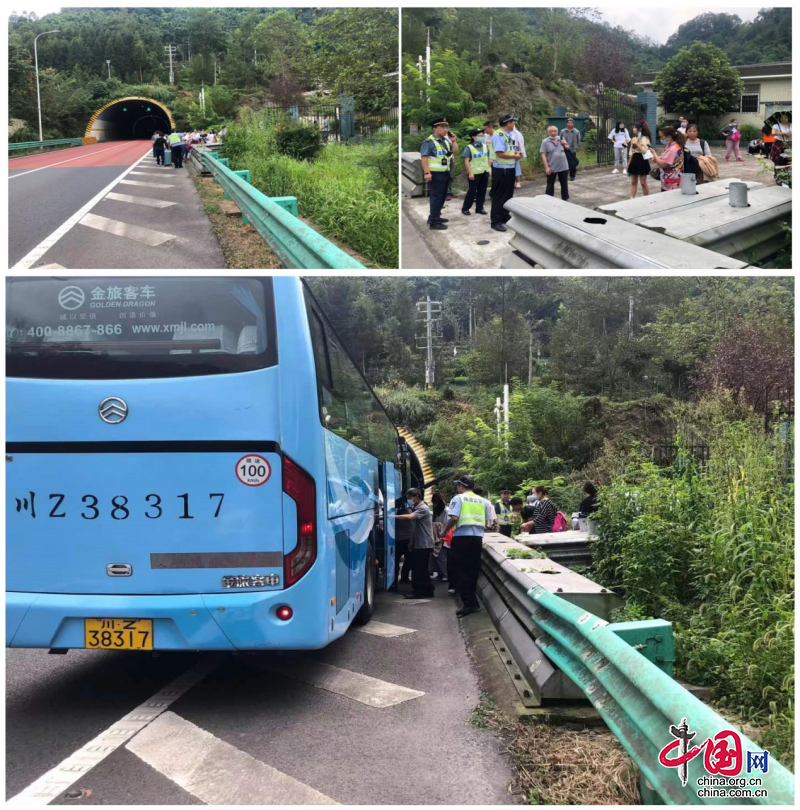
column 299, row 142
column 340, row 192
column 710, row 548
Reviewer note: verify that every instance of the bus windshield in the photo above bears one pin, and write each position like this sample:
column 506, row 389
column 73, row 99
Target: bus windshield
column 127, row 327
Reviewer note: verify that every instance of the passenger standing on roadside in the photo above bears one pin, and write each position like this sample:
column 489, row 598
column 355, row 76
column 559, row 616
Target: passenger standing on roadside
column 159, row 144
column 439, row 561
column 638, row 166
column 555, row 162
column 503, row 171
column 435, row 155
column 489, row 128
column 421, row 546
column 176, row 148
column 620, row 137
column 572, row 137
column 469, row 517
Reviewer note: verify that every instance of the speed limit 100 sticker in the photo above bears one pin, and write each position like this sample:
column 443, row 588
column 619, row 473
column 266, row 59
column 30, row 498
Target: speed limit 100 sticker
column 253, row 470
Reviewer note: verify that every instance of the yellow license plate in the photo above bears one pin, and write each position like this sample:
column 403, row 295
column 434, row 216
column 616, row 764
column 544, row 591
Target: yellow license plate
column 118, row 634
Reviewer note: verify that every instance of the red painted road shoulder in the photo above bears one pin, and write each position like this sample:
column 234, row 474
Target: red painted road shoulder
column 117, row 153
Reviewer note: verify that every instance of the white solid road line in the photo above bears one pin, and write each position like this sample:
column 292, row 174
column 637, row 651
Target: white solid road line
column 60, row 162
column 27, row 261
column 147, row 236
column 139, row 200
column 76, row 766
column 214, row 771
column 148, row 185
column 384, row 630
column 353, row 685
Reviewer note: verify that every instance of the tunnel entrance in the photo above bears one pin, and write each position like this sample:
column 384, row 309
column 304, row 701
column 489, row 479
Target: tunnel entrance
column 129, row 119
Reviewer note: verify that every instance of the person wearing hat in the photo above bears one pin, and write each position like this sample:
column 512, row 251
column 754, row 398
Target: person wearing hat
column 503, row 171
column 469, row 516
column 489, row 128
column 476, row 161
column 435, row 152
column 572, row 137
column 504, row 512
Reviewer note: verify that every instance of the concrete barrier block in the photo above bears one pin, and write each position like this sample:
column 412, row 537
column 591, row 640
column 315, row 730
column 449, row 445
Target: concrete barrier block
column 411, row 163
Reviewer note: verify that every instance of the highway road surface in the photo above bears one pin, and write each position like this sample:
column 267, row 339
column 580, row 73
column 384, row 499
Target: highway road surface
column 379, row 717
column 106, row 206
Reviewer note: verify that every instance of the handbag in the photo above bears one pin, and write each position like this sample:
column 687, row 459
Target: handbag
column 736, row 136
column 648, row 155
column 655, row 173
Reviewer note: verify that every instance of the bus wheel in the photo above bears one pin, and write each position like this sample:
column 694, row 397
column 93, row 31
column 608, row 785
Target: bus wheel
column 368, row 608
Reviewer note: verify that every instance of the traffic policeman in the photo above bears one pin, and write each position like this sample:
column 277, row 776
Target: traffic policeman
column 175, row 141
column 469, row 516
column 489, row 128
column 505, row 512
column 476, row 161
column 436, row 152
column 503, row 171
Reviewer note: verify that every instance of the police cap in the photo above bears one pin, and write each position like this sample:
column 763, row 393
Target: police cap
column 474, row 132
column 505, row 118
column 439, row 122
column 466, row 481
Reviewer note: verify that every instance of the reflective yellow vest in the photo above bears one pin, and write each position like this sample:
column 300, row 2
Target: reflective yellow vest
column 440, row 163
column 174, row 138
column 504, row 513
column 478, row 159
column 473, row 511
column 510, row 147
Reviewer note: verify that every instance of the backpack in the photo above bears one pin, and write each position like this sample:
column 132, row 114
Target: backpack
column 691, row 165
column 736, row 136
column 560, row 524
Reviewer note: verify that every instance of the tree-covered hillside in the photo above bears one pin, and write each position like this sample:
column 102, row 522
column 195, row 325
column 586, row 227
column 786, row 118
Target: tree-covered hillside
column 244, row 56
column 489, row 57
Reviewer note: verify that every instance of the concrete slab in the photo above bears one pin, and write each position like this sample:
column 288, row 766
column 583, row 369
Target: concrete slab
column 642, row 209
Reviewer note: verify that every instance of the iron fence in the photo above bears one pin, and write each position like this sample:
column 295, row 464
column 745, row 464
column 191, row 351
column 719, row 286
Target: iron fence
column 612, row 106
column 338, row 122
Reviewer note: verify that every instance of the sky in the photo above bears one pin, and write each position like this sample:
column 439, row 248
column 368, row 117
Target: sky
column 659, row 22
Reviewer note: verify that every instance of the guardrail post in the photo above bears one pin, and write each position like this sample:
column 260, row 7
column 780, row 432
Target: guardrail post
column 224, row 162
column 652, row 638
column 288, row 203
column 245, row 175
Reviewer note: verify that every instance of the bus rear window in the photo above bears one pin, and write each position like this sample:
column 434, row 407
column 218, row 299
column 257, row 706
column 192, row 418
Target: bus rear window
column 115, row 328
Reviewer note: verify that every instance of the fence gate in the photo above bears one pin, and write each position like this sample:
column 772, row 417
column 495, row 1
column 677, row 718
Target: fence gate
column 612, row 106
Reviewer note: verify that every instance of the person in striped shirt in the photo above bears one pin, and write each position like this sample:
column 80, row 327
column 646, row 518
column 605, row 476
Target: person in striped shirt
column 544, row 514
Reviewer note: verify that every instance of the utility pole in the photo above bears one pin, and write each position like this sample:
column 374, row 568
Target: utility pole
column 170, row 49
column 38, row 96
column 203, row 99
column 630, row 315
column 255, row 56
column 189, row 50
column 431, row 311
column 428, row 62
column 108, row 65
column 506, row 413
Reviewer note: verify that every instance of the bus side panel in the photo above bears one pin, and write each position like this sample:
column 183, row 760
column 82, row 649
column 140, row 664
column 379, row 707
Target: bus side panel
column 302, row 439
column 392, row 479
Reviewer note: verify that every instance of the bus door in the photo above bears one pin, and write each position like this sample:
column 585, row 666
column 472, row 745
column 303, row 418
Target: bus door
column 390, row 486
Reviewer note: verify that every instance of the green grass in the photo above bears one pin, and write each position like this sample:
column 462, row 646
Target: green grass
column 342, row 192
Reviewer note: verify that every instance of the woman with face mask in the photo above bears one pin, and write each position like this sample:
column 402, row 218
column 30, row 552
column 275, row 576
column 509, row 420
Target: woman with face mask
column 476, row 162
column 670, row 162
column 620, row 137
column 732, row 138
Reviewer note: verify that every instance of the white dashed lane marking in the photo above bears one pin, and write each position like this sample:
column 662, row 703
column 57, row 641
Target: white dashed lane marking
column 214, row 771
column 75, row 767
column 139, row 200
column 147, row 185
column 363, row 688
column 146, row 236
column 384, row 630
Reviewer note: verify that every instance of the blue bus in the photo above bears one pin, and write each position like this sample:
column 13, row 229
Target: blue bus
column 191, row 464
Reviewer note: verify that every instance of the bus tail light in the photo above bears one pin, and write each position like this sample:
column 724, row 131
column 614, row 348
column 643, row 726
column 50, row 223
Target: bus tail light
column 299, row 486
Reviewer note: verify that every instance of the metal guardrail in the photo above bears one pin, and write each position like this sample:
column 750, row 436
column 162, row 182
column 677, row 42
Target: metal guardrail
column 298, row 246
column 564, row 649
column 639, row 702
column 55, row 144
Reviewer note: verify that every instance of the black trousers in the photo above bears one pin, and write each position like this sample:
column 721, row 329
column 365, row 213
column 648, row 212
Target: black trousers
column 421, row 583
column 158, row 153
column 467, row 563
column 401, row 550
column 502, row 191
column 477, row 192
column 177, row 155
column 438, row 193
column 562, row 178
column 505, row 531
